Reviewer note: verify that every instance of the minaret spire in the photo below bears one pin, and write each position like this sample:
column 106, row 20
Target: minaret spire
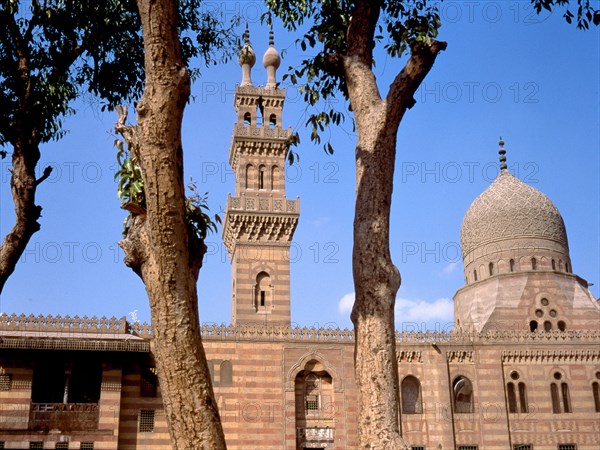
column 502, row 153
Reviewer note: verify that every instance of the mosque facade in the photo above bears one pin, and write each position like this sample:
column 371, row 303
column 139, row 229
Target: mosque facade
column 520, row 370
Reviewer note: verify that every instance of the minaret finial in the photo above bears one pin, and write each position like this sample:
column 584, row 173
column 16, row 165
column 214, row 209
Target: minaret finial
column 502, row 153
column 247, row 35
column 246, row 59
column 271, row 37
column 271, row 61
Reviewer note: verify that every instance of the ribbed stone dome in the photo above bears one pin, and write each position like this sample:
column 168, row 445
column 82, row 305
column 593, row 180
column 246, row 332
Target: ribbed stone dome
column 511, row 209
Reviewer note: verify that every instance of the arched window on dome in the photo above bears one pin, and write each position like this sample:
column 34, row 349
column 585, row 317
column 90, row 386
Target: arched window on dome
column 533, row 326
column 411, row 396
column 567, row 267
column 512, row 265
column 553, row 265
column 547, row 325
column 491, row 268
column 475, row 275
column 533, row 264
column 562, row 326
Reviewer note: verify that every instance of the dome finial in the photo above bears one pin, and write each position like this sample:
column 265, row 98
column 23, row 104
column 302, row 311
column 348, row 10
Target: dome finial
column 247, row 35
column 502, row 153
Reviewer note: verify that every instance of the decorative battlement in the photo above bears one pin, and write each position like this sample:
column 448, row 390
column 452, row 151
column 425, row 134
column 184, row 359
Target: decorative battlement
column 66, row 324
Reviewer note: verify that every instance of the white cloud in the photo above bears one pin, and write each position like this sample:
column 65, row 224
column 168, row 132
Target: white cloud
column 413, row 314
column 451, row 267
column 436, row 315
column 346, row 302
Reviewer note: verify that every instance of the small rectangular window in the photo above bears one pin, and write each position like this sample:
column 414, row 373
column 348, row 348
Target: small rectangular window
column 417, row 447
column 567, row 447
column 523, row 447
column 5, row 382
column 146, row 424
column 36, row 444
column 62, row 446
column 312, row 402
column 467, row 447
column 86, row 446
column 263, row 296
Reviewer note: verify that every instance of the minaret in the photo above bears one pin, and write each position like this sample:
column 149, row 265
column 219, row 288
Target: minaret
column 259, row 221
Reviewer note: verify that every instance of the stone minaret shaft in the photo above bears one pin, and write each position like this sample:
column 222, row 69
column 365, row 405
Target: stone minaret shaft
column 259, row 221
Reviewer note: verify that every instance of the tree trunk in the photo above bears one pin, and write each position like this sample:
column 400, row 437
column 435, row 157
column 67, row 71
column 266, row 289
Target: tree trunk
column 157, row 247
column 376, row 278
column 23, row 186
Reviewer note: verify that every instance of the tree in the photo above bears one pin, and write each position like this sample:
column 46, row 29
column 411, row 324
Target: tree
column 164, row 235
column 47, row 56
column 49, row 52
column 344, row 35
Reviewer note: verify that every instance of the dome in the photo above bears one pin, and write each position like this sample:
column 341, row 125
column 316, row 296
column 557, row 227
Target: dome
column 510, row 209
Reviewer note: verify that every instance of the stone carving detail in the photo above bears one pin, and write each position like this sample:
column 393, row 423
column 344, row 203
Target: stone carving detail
column 263, row 204
column 250, row 204
column 277, row 205
column 291, row 205
column 553, row 356
column 510, row 209
column 236, row 203
column 66, row 323
column 409, row 356
column 460, row 356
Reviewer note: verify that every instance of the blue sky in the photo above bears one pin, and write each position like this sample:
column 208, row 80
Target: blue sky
column 532, row 79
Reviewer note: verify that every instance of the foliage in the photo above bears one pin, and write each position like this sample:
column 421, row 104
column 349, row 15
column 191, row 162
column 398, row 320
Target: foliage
column 130, row 189
column 402, row 25
column 51, row 50
column 586, row 12
column 196, row 205
column 320, row 77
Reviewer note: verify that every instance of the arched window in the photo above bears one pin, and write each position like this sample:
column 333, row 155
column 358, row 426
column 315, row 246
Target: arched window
column 261, row 177
column 533, row 326
column 274, row 177
column 250, row 176
column 411, row 396
column 553, row 265
column 512, row 265
column 547, row 325
column 567, row 267
column 562, row 326
column 462, row 395
column 512, row 398
column 596, row 393
column 561, row 399
column 533, row 264
column 491, row 269
column 523, row 398
column 226, row 373
column 272, row 121
column 263, row 291
column 312, row 397
column 247, row 119
column 475, row 275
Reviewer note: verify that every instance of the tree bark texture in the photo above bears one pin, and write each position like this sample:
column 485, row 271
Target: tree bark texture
column 376, row 278
column 156, row 246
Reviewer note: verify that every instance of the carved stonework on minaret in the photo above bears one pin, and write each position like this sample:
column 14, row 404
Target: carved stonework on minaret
column 259, row 220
